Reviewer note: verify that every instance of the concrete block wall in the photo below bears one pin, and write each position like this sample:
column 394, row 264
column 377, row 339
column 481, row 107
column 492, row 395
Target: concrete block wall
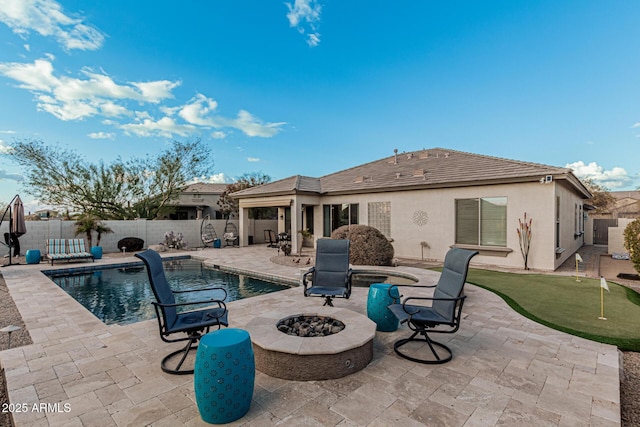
column 152, row 232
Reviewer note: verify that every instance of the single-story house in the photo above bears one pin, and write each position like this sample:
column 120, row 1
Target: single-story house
column 428, row 201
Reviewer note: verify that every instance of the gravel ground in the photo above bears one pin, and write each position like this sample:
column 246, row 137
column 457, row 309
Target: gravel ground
column 9, row 315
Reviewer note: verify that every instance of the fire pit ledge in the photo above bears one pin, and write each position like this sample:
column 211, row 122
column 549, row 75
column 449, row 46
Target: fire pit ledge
column 312, row 358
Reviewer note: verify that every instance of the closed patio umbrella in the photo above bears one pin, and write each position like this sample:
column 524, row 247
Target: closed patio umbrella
column 17, row 226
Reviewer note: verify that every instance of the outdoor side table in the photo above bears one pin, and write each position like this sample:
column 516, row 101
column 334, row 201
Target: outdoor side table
column 224, row 375
column 377, row 302
column 32, row 256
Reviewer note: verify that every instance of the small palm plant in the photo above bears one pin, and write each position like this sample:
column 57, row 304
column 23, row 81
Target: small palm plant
column 86, row 224
column 101, row 229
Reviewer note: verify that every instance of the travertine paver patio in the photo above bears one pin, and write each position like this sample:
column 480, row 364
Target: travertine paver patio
column 507, row 370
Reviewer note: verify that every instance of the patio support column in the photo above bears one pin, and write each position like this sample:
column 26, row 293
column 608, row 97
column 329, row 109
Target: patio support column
column 244, row 228
column 296, row 224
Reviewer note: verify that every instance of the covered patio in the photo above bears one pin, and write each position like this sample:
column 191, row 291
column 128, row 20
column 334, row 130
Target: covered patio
column 506, row 370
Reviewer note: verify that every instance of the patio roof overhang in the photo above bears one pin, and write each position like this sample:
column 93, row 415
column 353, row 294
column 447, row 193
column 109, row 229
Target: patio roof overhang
column 265, row 203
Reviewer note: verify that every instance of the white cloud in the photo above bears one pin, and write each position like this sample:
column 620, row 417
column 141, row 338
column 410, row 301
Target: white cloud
column 9, row 176
column 613, row 179
column 304, row 15
column 70, row 98
column 196, row 110
column 4, row 148
column 47, row 18
column 253, row 159
column 252, row 126
column 101, row 135
column 97, row 94
column 199, row 111
column 219, row 178
column 218, row 134
column 166, row 127
column 10, row 132
column 313, row 39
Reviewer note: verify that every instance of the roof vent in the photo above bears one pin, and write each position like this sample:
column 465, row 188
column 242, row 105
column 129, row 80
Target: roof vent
column 395, row 154
column 361, row 178
column 409, row 156
column 418, row 172
column 446, row 155
column 398, row 174
column 424, row 155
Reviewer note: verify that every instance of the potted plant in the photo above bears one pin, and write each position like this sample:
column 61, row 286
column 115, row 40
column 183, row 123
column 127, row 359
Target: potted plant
column 100, row 229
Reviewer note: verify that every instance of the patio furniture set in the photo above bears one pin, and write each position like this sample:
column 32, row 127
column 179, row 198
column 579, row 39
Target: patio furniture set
column 224, row 366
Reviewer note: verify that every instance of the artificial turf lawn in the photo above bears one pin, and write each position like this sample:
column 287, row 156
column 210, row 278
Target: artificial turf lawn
column 562, row 303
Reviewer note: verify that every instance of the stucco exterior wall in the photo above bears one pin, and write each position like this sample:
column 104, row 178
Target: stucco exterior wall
column 429, row 216
column 569, row 241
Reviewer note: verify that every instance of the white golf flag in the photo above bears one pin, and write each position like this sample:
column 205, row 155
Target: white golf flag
column 603, row 284
column 578, row 257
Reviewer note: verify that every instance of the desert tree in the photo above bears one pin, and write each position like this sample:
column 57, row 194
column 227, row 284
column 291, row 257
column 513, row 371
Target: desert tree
column 229, row 205
column 123, row 189
column 601, row 198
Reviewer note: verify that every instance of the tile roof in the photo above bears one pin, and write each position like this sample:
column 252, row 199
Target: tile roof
column 436, row 167
column 205, row 187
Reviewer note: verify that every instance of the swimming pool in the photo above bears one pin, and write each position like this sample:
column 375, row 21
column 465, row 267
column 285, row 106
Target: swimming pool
column 122, row 294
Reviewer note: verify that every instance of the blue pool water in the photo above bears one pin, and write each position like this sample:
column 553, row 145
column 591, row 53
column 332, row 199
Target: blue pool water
column 123, row 295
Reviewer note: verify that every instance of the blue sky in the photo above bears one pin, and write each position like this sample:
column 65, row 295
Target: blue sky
column 316, row 86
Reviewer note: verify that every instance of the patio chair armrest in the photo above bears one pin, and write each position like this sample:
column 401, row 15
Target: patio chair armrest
column 181, row 304
column 203, row 289
column 404, row 303
column 434, row 299
column 304, row 277
column 349, row 282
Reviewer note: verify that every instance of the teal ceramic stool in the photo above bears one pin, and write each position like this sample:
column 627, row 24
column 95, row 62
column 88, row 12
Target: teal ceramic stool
column 96, row 251
column 377, row 303
column 32, row 256
column 224, row 375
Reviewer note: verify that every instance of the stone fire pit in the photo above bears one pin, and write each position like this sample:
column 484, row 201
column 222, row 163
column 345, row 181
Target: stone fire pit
column 315, row 357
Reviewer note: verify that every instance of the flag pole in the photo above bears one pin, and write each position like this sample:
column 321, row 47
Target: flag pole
column 578, row 260
column 603, row 286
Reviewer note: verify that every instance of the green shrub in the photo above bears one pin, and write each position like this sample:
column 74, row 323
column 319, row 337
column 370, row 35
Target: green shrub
column 632, row 242
column 368, row 245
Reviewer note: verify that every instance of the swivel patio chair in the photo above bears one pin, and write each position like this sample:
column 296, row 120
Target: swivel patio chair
column 445, row 308
column 331, row 276
column 193, row 323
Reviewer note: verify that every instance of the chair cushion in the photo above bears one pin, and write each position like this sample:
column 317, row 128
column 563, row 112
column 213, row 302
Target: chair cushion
column 425, row 316
column 194, row 320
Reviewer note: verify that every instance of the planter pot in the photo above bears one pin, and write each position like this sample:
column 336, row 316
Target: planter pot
column 32, row 256
column 96, row 251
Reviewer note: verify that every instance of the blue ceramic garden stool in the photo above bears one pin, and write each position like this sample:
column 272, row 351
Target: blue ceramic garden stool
column 32, row 256
column 224, row 375
column 377, row 303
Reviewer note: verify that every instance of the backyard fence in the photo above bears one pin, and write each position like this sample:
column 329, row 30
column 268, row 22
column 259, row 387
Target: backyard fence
column 152, row 232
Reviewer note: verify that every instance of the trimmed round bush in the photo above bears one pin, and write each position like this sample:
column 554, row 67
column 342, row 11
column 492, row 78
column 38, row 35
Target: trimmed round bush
column 132, row 244
column 632, row 242
column 368, row 245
